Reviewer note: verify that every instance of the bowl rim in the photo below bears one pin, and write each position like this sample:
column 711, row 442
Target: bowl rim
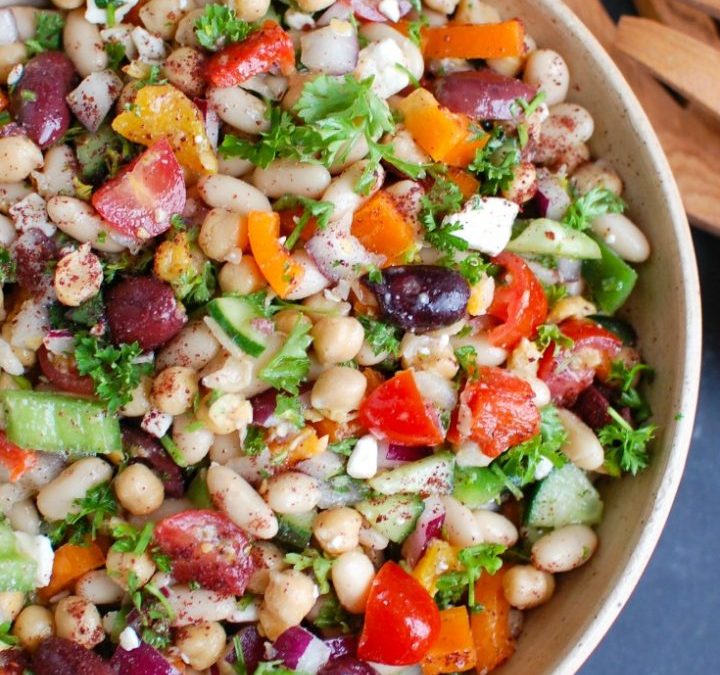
column 680, row 429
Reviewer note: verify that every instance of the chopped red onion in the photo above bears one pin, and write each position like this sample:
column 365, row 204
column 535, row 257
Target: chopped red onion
column 340, row 255
column 144, row 660
column 92, row 99
column 59, row 341
column 428, row 527
column 299, row 649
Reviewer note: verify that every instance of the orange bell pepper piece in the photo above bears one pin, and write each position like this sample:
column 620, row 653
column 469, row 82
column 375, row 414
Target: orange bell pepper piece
column 274, row 260
column 494, row 643
column 454, row 650
column 381, row 228
column 4, row 102
column 305, row 445
column 71, row 562
column 162, row 111
column 446, row 136
column 15, row 459
column 374, row 379
column 465, row 181
column 476, row 41
column 337, row 431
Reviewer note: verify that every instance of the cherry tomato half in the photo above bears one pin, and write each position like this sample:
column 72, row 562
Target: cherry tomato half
column 61, row 370
column 397, row 411
column 519, row 302
column 401, row 620
column 497, row 410
column 570, row 370
column 141, row 199
column 15, row 459
column 207, row 547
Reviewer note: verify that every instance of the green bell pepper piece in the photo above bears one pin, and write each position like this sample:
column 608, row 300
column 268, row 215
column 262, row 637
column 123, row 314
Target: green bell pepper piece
column 610, row 279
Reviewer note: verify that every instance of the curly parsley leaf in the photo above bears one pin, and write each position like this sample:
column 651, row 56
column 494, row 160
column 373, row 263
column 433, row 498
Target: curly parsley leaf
column 115, row 370
column 311, row 559
column 443, row 198
column 289, row 408
column 290, row 366
column 332, row 615
column 585, row 208
column 311, row 209
column 219, row 26
column 197, row 288
column 554, row 293
column 467, row 358
column 343, row 447
column 254, row 442
column 8, row 266
column 625, row 447
column 383, row 338
column 116, row 54
column 48, row 34
column 629, row 396
column 495, row 163
column 94, row 509
column 550, row 333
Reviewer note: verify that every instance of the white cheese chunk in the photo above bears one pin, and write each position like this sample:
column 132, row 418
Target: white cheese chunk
column 129, row 639
column 39, row 548
column 384, row 61
column 485, row 223
column 363, row 462
column 390, row 8
column 94, row 14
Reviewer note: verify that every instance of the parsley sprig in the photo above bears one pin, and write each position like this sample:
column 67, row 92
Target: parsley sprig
column 289, row 408
column 585, row 208
column 495, row 162
column 8, row 266
column 48, row 34
column 550, row 333
column 311, row 559
column 93, row 510
column 443, row 198
column 625, row 378
column 311, row 208
column 290, row 366
column 383, row 338
column 625, row 447
column 219, row 26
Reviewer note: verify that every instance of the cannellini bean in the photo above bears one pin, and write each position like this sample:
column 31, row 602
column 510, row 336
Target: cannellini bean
column 429, row 354
column 476, row 12
column 58, row 173
column 83, row 44
column 196, row 606
column 312, row 6
column 526, row 587
column 341, row 191
column 582, row 446
column 227, row 373
column 460, row 523
column 78, row 620
column 10, row 55
column 407, row 149
column 243, row 277
column 193, row 441
column 174, row 389
column 23, row 517
column 251, row 10
column 240, row 109
column 225, row 447
column 184, row 69
column 541, row 391
column 568, row 125
column 442, row 6
column 33, row 625
column 564, row 549
column 337, row 530
column 11, row 602
column 161, row 16
column 233, row 495
column 269, row 557
column 185, row 31
column 233, row 194
column 352, row 575
column 11, row 194
column 289, row 596
column 139, row 490
column 99, row 588
column 234, row 166
column 523, row 186
column 339, row 389
column 121, row 564
column 495, row 528
column 56, row 500
column 337, row 339
column 596, row 174
column 313, row 281
column 7, row 231
column 201, row 644
column 547, row 70
column 623, row 237
column 292, row 492
column 79, row 220
column 193, row 347
column 18, row 157
column 487, row 354
column 78, row 276
column 286, row 176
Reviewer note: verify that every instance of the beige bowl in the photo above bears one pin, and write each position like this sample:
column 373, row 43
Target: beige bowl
column 665, row 309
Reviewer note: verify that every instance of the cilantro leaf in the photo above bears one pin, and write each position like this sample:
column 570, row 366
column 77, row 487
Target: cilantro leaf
column 290, row 366
column 625, row 447
column 289, row 409
column 495, row 162
column 550, row 333
column 585, row 208
column 383, row 338
column 114, row 370
column 48, row 34
column 313, row 560
column 467, row 358
column 219, row 26
column 472, row 266
column 254, row 442
column 311, row 208
column 6, row 638
column 131, row 540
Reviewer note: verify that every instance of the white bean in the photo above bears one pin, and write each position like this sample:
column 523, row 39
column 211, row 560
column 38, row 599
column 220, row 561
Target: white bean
column 547, row 70
column 11, row 194
column 495, row 528
column 58, row 173
column 33, row 625
column 196, row 606
column 475, row 12
column 18, row 157
column 11, row 602
column 10, row 55
column 161, row 16
column 564, row 549
column 526, row 587
column 312, row 6
column 83, row 44
column 23, row 516
column 341, row 191
column 185, row 31
column 460, row 523
column 623, row 237
column 233, row 495
column 79, row 220
column 99, row 588
column 582, row 446
column 56, row 500
column 269, row 557
column 193, row 347
column 597, row 174
column 487, row 354
column 352, row 575
column 377, row 32
column 337, row 530
column 292, row 492
column 7, row 231
column 568, row 125
column 184, row 69
column 286, row 176
column 233, row 194
column 78, row 620
column 313, row 281
column 234, row 166
column 240, row 109
column 251, row 10
column 192, row 443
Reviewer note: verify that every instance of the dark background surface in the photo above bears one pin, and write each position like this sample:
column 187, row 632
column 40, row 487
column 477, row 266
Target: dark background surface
column 669, row 625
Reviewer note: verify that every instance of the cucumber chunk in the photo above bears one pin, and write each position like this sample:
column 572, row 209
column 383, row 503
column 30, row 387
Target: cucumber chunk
column 610, row 279
column 235, row 317
column 429, row 476
column 198, row 492
column 548, row 237
column 475, row 486
column 394, row 515
column 565, row 497
column 18, row 571
column 295, row 529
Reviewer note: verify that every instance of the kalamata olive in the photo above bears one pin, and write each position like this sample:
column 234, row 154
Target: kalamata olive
column 33, row 250
column 421, row 297
column 39, row 97
column 592, row 407
column 484, row 94
column 58, row 656
column 14, row 661
column 144, row 309
column 144, row 448
column 347, row 665
column 62, row 372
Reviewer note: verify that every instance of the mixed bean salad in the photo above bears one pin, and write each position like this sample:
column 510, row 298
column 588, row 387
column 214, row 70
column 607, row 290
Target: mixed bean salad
column 309, row 355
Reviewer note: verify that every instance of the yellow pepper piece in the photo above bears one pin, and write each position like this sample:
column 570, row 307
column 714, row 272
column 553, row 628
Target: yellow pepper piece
column 439, row 557
column 163, row 111
column 172, row 258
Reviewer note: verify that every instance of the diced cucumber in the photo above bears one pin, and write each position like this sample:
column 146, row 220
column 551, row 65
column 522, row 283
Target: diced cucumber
column 394, row 515
column 295, row 529
column 616, row 325
column 7, row 540
column 475, row 486
column 548, row 237
column 51, row 422
column 198, row 492
column 429, row 476
column 235, row 317
column 17, row 571
column 610, row 279
column 565, row 497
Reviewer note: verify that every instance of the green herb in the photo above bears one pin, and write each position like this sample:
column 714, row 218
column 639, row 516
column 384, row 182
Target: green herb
column 28, row 95
column 8, row 267
column 630, row 397
column 472, row 266
column 126, row 263
column 109, row 6
column 153, row 77
column 343, row 447
column 116, row 54
column 131, row 540
column 415, row 28
column 82, row 317
column 5, row 118
column 311, row 208
column 555, row 293
column 276, row 668
column 254, row 442
column 48, row 34
column 311, row 559
column 585, row 208
column 219, row 26
column 94, row 508
column 290, row 366
column 550, row 333
column 196, row 288
column 5, row 637
column 154, row 610
column 625, row 447
column 113, row 369
column 443, row 198
column 374, row 274
column 382, row 338
column 289, row 408
column 529, row 107
column 413, row 80
column 467, row 358
column 332, row 615
column 495, row 163
column 239, row 667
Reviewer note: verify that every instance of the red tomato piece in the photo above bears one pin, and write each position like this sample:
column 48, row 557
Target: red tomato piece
column 397, row 411
column 143, row 196
column 61, row 370
column 265, row 49
column 207, row 547
column 401, row 620
column 520, row 303
column 497, row 410
column 16, row 460
column 570, row 370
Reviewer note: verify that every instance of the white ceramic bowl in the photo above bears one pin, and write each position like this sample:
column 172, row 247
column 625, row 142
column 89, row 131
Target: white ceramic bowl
column 665, row 310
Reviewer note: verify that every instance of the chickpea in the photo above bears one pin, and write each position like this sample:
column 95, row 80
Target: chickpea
column 225, row 414
column 139, row 490
column 201, row 644
column 139, row 404
column 243, row 277
column 339, row 390
column 270, row 558
column 174, row 390
column 33, row 625
column 337, row 530
column 78, row 620
column 337, row 339
column 289, row 596
column 120, row 565
column 526, row 587
column 223, row 235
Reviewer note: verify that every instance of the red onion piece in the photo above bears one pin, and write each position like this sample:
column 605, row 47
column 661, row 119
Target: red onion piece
column 331, row 49
column 212, row 121
column 323, row 466
column 406, row 453
column 552, row 197
column 343, row 645
column 299, row 649
column 59, row 341
column 347, row 665
column 339, row 255
column 264, row 405
column 428, row 527
column 340, row 10
column 143, row 660
column 92, row 99
column 252, row 648
column 369, row 10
